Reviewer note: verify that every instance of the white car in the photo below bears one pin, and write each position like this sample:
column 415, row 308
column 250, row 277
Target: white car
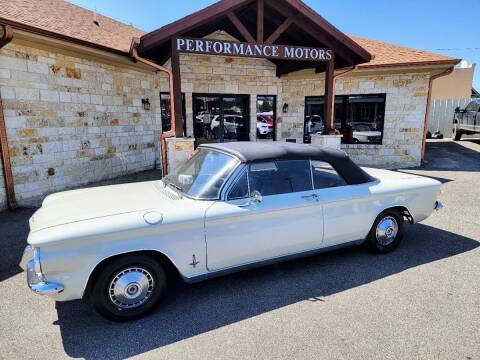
column 230, row 207
column 264, row 129
column 365, row 133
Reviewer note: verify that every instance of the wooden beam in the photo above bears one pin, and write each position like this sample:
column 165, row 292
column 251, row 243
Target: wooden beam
column 240, row 27
column 329, row 95
column 215, row 11
column 313, row 30
column 177, row 90
column 280, row 30
column 260, row 20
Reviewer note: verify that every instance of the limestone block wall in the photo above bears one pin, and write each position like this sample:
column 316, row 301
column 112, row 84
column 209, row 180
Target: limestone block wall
column 72, row 121
column 406, row 97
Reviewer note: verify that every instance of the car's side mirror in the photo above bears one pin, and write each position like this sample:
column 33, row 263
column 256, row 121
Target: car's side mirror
column 256, row 197
column 457, row 109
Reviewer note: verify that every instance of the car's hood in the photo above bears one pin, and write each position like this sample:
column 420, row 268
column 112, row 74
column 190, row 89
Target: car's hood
column 78, row 205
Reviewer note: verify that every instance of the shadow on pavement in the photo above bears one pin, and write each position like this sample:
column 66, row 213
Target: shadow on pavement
column 13, row 239
column 451, row 156
column 191, row 310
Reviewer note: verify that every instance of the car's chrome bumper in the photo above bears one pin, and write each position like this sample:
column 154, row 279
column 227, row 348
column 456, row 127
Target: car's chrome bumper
column 438, row 205
column 26, row 257
column 35, row 278
column 36, row 282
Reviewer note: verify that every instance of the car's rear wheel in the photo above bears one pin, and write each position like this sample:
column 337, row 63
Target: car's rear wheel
column 387, row 232
column 128, row 288
column 456, row 134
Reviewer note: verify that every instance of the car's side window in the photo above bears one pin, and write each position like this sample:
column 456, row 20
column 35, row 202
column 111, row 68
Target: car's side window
column 240, row 188
column 280, row 177
column 325, row 176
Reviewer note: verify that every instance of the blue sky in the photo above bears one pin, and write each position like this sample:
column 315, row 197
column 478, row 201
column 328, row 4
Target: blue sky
column 424, row 24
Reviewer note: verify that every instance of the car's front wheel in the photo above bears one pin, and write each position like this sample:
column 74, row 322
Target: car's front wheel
column 387, row 232
column 128, row 287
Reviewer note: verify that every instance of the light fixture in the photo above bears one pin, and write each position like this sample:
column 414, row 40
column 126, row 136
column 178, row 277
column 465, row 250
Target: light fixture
column 146, row 104
column 285, row 108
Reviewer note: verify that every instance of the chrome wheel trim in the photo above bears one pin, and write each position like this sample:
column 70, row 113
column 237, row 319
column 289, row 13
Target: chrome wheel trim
column 386, row 231
column 131, row 288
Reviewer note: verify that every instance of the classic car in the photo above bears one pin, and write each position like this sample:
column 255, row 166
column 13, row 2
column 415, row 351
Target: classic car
column 365, row 133
column 229, row 207
column 466, row 121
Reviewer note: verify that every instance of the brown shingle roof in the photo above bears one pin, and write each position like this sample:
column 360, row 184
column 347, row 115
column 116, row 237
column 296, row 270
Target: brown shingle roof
column 70, row 20
column 61, row 17
column 387, row 55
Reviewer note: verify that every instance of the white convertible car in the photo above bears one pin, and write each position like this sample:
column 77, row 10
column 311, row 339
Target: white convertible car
column 229, row 207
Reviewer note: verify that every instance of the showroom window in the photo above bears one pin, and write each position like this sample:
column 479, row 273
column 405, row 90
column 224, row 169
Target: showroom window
column 359, row 118
column 166, row 114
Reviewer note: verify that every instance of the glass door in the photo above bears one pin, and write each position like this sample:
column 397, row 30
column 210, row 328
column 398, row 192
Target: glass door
column 220, row 118
column 266, row 117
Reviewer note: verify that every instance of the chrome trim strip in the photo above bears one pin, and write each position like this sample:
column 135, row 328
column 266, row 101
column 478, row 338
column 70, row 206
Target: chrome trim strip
column 266, row 262
column 26, row 257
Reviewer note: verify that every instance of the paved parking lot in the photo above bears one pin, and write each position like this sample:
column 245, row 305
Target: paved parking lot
column 422, row 301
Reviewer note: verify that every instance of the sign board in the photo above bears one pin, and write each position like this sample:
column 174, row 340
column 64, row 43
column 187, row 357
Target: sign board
column 265, row 51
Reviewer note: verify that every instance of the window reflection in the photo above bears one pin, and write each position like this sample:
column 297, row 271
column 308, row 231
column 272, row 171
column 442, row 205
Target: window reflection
column 166, row 112
column 266, row 117
column 220, row 118
column 359, row 118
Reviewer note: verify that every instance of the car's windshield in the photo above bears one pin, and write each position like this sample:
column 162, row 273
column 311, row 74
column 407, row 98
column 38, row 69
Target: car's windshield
column 203, row 175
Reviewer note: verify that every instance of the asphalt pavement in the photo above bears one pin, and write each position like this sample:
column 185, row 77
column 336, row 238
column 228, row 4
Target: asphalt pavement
column 420, row 302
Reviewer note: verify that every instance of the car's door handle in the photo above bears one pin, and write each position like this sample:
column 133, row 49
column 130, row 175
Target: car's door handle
column 311, row 197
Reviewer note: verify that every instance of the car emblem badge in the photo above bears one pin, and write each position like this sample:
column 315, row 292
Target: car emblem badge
column 194, row 262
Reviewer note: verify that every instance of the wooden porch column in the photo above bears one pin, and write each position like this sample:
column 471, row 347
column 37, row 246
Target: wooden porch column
column 329, row 95
column 177, row 90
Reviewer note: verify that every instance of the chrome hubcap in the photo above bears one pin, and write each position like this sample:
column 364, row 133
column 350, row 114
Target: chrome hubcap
column 131, row 288
column 387, row 230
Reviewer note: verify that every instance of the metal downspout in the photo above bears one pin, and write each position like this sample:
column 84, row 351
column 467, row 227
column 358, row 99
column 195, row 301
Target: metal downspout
column 7, row 36
column 427, row 111
column 171, row 133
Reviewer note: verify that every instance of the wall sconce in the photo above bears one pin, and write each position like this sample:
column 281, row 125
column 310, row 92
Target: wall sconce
column 146, row 104
column 285, row 108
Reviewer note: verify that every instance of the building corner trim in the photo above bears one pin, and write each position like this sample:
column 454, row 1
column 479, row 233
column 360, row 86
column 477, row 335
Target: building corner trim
column 427, row 111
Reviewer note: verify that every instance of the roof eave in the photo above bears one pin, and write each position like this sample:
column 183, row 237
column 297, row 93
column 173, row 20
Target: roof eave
column 452, row 62
column 55, row 35
column 162, row 34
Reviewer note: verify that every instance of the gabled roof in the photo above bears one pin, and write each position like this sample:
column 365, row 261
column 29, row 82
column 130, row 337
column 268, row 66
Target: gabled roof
column 58, row 18
column 387, row 55
column 69, row 20
column 307, row 29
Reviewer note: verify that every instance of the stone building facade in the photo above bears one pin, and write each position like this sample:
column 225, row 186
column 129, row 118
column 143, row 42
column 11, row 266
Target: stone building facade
column 406, row 100
column 72, row 120
column 405, row 106
column 73, row 98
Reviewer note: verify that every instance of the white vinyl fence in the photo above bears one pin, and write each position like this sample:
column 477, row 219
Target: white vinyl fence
column 441, row 115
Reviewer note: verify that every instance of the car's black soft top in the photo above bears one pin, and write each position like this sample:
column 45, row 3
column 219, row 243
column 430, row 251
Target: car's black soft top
column 248, row 152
